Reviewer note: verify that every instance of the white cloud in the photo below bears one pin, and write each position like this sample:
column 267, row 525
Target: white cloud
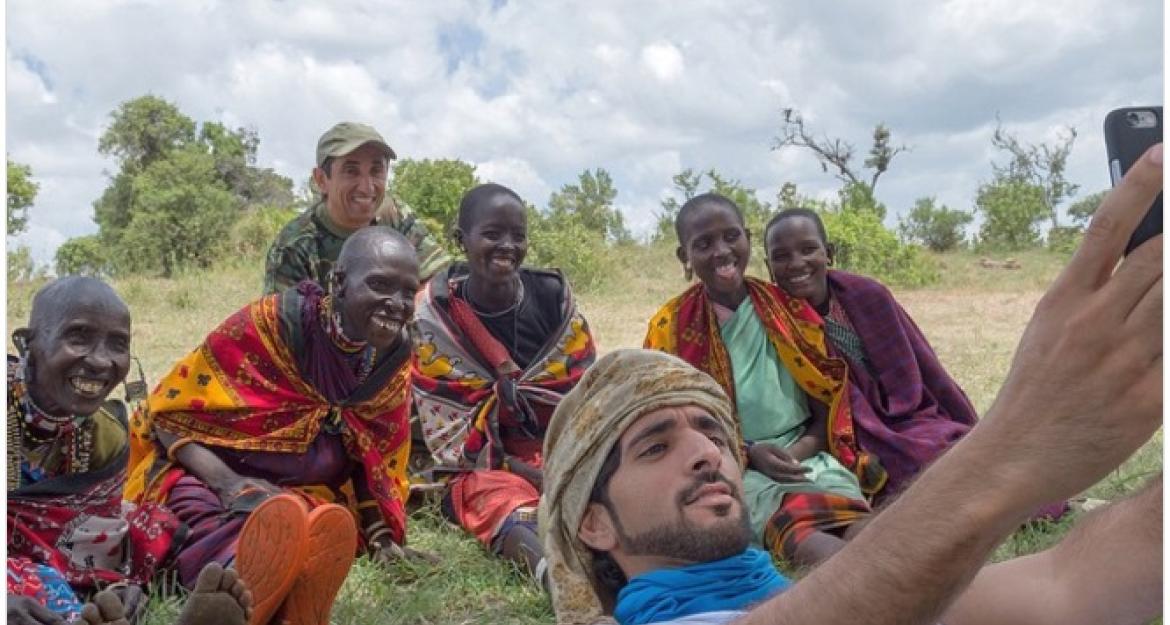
column 663, row 60
column 536, row 94
column 516, row 174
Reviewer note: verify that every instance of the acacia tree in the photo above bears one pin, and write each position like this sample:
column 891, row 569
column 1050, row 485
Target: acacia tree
column 836, row 154
column 1042, row 165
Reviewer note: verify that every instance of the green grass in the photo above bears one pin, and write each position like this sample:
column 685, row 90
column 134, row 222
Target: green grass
column 973, row 317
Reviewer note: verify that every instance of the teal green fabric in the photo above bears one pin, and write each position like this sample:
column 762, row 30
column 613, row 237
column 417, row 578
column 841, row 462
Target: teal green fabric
column 773, row 409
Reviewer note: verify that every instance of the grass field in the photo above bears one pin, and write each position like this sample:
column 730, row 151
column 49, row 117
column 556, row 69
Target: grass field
column 973, row 317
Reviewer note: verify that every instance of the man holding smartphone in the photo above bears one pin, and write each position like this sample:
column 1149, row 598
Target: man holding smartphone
column 1084, row 392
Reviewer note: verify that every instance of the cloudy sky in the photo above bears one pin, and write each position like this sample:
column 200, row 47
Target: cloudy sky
column 535, row 92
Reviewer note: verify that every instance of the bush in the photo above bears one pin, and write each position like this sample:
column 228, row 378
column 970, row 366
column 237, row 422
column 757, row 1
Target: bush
column 253, row 234
column 1065, row 239
column 1011, row 210
column 857, row 197
column 85, row 255
column 182, row 213
column 433, row 189
column 937, row 227
column 864, row 245
column 565, row 243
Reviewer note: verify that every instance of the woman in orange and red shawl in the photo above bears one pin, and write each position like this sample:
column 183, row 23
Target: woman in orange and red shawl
column 498, row 347
column 298, row 400
column 807, row 481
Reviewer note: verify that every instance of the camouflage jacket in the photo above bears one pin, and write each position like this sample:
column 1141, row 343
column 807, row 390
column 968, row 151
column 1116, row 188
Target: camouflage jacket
column 308, row 246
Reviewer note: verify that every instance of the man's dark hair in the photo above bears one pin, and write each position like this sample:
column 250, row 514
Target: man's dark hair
column 476, row 196
column 605, row 570
column 797, row 212
column 694, row 203
column 327, row 166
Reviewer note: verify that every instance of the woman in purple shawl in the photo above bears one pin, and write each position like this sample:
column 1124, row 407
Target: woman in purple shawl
column 906, row 408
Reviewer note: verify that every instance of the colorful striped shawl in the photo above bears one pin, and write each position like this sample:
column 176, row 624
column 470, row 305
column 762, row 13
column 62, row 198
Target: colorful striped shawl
column 466, row 390
column 242, row 389
column 686, row 326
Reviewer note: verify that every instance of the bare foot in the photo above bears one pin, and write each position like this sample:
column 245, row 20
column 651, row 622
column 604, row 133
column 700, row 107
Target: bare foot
column 105, row 609
column 219, row 597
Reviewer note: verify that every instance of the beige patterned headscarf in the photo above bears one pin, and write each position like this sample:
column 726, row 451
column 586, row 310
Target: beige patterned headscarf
column 621, row 387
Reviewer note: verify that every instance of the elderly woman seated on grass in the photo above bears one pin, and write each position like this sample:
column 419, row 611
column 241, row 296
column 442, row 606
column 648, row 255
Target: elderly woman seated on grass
column 68, row 442
column 906, row 408
column 499, row 345
column 287, row 429
column 807, row 480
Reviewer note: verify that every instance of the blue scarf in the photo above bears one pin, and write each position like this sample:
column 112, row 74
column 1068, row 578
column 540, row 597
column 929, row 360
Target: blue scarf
column 729, row 584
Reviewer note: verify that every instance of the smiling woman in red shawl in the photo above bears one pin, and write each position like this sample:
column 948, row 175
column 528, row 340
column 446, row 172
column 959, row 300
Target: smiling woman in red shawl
column 807, row 480
column 906, row 407
column 68, row 532
column 499, row 345
column 298, row 400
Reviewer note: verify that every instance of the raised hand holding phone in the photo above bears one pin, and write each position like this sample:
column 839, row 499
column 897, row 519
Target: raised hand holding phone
column 1129, row 132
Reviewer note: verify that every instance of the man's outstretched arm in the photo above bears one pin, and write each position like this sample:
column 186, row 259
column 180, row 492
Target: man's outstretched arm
column 1083, row 393
column 1108, row 569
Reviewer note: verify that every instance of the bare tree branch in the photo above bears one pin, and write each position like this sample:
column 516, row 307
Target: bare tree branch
column 836, row 153
column 829, row 152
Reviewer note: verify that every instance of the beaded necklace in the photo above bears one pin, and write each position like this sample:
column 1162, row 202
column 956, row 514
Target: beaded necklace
column 500, row 313
column 26, row 447
column 331, row 321
column 513, row 309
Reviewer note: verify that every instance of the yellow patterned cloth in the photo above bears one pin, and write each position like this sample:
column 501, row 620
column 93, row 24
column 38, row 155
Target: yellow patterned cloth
column 242, row 389
column 688, row 328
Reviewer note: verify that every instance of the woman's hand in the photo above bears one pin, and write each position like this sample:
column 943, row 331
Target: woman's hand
column 776, row 464
column 232, row 488
column 385, row 551
column 26, row 611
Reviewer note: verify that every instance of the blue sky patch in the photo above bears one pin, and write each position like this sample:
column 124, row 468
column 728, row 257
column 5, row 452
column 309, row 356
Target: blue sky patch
column 459, row 42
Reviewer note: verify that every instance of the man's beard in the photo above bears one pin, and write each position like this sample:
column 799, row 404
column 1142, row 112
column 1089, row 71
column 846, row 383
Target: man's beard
column 683, row 540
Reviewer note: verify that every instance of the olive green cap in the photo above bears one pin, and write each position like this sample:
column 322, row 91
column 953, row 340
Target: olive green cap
column 346, row 137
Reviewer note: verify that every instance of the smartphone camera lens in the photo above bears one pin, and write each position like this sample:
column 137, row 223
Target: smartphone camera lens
column 1141, row 119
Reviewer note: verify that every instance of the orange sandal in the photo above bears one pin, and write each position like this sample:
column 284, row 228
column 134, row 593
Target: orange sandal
column 271, row 552
column 332, row 547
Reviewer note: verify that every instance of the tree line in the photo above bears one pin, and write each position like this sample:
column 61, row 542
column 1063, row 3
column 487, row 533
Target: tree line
column 186, row 193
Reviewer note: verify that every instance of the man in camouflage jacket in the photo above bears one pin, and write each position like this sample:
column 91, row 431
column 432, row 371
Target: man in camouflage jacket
column 353, row 161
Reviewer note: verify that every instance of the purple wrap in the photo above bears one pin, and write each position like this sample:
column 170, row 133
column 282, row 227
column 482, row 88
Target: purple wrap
column 910, row 410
